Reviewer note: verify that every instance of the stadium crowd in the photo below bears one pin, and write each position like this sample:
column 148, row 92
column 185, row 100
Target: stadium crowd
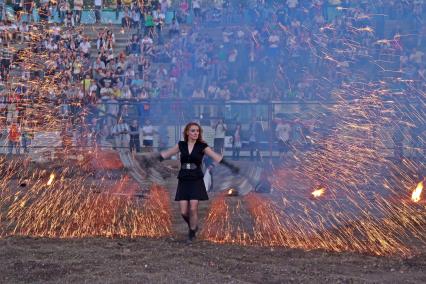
column 256, row 51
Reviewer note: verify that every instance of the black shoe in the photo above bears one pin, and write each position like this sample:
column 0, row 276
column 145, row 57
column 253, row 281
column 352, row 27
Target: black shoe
column 192, row 235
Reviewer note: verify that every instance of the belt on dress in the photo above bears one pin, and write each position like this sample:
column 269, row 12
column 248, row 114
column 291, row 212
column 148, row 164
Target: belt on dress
column 189, row 166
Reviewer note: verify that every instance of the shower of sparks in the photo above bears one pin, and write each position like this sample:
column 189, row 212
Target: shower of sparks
column 77, row 196
column 366, row 208
column 417, row 192
column 272, row 226
column 78, row 206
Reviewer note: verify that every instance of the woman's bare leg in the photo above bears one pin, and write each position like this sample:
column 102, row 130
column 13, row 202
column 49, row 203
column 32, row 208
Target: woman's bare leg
column 184, row 210
column 193, row 214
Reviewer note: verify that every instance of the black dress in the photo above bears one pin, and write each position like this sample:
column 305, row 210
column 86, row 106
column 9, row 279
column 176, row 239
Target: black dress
column 191, row 184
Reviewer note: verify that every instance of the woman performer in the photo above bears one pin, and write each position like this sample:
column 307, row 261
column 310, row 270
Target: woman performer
column 191, row 189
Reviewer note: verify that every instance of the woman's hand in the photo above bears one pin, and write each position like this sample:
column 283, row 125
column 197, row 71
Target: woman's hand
column 234, row 169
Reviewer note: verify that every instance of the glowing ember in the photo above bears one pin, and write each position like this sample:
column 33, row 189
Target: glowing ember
column 318, row 192
column 415, row 196
column 51, row 178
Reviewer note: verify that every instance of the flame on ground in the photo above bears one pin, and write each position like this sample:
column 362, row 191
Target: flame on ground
column 318, row 192
column 415, row 196
column 51, row 178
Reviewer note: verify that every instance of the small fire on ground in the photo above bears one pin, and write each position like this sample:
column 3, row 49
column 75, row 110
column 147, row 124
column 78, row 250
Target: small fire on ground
column 416, row 195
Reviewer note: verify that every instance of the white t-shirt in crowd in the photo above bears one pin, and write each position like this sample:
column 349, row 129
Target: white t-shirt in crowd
column 273, row 41
column 283, row 131
column 220, row 131
column 147, row 40
column 51, row 46
column 417, row 57
column 292, row 3
column 148, row 132
column 196, row 4
column 85, row 46
column 233, row 56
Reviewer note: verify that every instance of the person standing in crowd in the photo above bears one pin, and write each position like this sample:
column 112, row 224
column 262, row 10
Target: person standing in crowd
column 149, row 24
column 196, row 6
column 27, row 136
column 219, row 136
column 78, row 7
column 28, row 9
column 283, row 132
column 254, row 131
column 94, row 132
column 6, row 59
column 67, row 137
column 98, row 9
column 163, row 135
column 120, row 131
column 236, row 142
column 135, row 144
column 14, row 136
column 191, row 188
column 148, row 135
column 43, row 13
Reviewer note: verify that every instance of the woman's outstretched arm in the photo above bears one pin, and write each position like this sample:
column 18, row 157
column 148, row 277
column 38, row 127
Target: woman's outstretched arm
column 212, row 154
column 221, row 160
column 166, row 154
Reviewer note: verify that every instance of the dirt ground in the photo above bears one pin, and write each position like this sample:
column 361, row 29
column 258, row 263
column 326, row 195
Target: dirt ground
column 172, row 260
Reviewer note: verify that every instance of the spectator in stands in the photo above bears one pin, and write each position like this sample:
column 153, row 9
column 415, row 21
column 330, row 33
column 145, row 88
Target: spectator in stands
column 112, row 109
column 196, row 6
column 78, row 7
column 149, row 24
column 135, row 144
column 94, row 132
column 120, row 132
column 219, row 136
column 148, row 132
column 198, row 93
column 236, row 142
column 136, row 17
column 126, row 21
column 174, row 28
column 14, row 136
column 44, row 13
column 283, row 132
column 163, row 135
column 85, row 47
column 255, row 131
column 98, row 9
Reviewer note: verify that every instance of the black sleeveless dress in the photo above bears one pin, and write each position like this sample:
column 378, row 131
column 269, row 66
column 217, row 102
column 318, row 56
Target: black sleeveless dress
column 191, row 184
